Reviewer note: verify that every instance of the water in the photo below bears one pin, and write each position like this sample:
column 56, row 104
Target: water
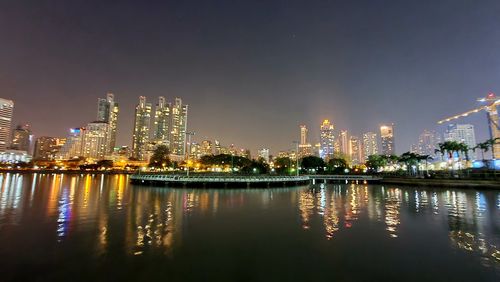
column 101, row 228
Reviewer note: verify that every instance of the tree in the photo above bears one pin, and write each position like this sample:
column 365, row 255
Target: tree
column 282, row 165
column 312, row 162
column 375, row 162
column 410, row 160
column 336, row 165
column 160, row 157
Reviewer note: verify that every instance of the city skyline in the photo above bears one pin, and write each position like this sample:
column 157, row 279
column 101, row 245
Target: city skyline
column 331, row 61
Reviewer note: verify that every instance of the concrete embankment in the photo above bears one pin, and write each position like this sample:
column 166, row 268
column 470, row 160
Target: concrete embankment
column 446, row 183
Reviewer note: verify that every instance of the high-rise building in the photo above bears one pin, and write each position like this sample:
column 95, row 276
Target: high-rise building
column 206, row 147
column 95, row 140
column 305, row 148
column 218, row 147
column 179, row 128
column 428, row 142
column 462, row 133
column 344, row 142
column 327, row 140
column 72, row 148
column 6, row 111
column 264, row 154
column 355, row 147
column 21, row 138
column 161, row 134
column 387, row 137
column 414, row 148
column 46, row 148
column 370, row 144
column 194, row 151
column 303, row 135
column 107, row 111
column 142, row 120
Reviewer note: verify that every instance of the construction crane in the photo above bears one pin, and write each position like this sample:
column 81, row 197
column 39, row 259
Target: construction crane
column 492, row 114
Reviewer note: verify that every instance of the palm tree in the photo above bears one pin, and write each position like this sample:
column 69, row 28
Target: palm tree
column 484, row 147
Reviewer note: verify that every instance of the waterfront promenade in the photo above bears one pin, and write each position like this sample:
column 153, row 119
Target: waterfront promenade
column 243, row 180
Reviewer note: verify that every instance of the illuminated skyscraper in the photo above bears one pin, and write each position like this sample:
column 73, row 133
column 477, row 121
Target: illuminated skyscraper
column 73, row 146
column 303, row 135
column 6, row 111
column 356, row 150
column 428, row 142
column 21, row 138
column 327, row 139
column 140, row 138
column 107, row 111
column 179, row 127
column 206, row 147
column 46, row 148
column 370, row 144
column 305, row 148
column 95, row 140
column 264, row 154
column 162, row 122
column 462, row 133
column 387, row 137
column 344, row 143
column 218, row 147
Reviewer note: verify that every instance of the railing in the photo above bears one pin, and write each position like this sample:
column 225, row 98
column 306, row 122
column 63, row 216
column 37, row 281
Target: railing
column 247, row 179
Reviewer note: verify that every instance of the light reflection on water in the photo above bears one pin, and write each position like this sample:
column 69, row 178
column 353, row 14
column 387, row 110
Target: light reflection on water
column 140, row 220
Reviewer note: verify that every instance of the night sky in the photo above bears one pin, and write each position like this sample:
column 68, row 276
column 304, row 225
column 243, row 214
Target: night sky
column 252, row 71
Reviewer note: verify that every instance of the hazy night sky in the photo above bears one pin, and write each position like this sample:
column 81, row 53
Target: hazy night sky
column 252, row 71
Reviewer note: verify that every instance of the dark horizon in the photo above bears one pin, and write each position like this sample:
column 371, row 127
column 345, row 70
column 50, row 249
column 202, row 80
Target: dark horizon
column 253, row 72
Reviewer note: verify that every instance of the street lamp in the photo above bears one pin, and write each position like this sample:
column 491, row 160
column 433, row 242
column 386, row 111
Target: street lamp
column 189, row 134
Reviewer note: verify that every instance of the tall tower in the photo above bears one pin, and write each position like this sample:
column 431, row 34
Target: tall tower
column 344, row 142
column 140, row 138
column 387, row 137
column 370, row 144
column 107, row 111
column 6, row 111
column 355, row 147
column 327, row 139
column 179, row 127
column 161, row 132
column 303, row 135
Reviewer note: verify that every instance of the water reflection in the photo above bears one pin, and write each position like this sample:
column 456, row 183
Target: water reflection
column 107, row 213
column 472, row 225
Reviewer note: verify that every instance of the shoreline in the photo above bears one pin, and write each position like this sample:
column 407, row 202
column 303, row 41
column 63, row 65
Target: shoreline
column 444, row 183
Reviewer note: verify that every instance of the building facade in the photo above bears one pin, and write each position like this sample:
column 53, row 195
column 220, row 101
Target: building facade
column 387, row 138
column 140, row 138
column 370, row 144
column 162, row 120
column 264, row 154
column 179, row 128
column 6, row 112
column 462, row 133
column 428, row 142
column 21, row 138
column 107, row 111
column 356, row 149
column 72, row 148
column 46, row 148
column 95, row 141
column 327, row 140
